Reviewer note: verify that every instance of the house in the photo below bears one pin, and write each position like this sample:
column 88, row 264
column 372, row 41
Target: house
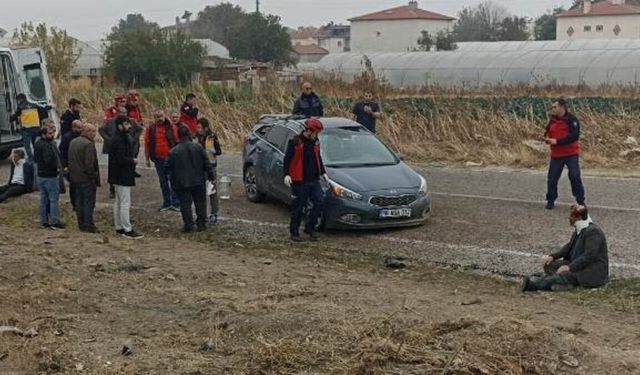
column 335, row 38
column 304, row 36
column 309, row 53
column 90, row 60
column 606, row 19
column 396, row 29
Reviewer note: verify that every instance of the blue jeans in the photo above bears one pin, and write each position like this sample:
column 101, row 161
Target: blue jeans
column 301, row 194
column 49, row 200
column 168, row 195
column 556, row 166
column 29, row 136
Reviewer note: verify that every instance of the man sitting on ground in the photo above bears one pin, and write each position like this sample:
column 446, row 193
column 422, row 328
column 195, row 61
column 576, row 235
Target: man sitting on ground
column 20, row 179
column 582, row 262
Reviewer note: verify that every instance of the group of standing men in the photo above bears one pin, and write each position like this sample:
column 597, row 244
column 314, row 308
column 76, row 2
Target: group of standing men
column 183, row 149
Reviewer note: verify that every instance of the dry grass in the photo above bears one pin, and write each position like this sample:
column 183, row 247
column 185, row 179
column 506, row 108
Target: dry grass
column 454, row 132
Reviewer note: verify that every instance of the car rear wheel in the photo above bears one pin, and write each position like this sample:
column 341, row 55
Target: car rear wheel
column 251, row 186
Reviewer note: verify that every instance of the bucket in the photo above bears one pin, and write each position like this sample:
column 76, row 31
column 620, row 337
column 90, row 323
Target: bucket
column 224, row 187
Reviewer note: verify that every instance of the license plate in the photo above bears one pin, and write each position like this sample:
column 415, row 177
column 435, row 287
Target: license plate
column 395, row 213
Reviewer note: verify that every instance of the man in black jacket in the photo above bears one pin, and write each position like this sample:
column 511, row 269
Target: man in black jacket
column 187, row 166
column 20, row 178
column 584, row 261
column 308, row 104
column 69, row 116
column 107, row 131
column 122, row 167
column 49, row 169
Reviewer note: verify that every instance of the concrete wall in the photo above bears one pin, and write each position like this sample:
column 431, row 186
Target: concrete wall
column 391, row 36
column 334, row 45
column 629, row 26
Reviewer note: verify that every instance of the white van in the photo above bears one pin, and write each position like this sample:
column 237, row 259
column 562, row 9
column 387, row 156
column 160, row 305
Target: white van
column 22, row 70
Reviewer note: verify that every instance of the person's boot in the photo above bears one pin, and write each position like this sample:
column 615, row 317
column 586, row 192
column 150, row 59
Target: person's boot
column 313, row 236
column 550, row 206
column 296, row 238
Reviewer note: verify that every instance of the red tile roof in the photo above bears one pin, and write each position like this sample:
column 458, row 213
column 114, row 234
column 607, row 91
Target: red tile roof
column 305, row 33
column 312, row 49
column 405, row 12
column 604, row 8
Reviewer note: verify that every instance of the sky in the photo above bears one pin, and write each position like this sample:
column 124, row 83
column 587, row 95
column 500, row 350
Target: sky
column 92, row 19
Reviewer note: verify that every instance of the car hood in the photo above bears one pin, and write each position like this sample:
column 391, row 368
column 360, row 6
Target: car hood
column 364, row 179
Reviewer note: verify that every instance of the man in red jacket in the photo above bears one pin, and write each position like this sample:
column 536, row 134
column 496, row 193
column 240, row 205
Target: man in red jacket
column 133, row 106
column 160, row 137
column 119, row 100
column 189, row 114
column 303, row 168
column 563, row 137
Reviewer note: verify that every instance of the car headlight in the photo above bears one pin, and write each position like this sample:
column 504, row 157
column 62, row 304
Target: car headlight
column 342, row 192
column 423, row 185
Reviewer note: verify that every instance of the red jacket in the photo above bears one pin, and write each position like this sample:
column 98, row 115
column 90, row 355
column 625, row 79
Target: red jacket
column 134, row 113
column 566, row 130
column 294, row 163
column 161, row 143
column 189, row 117
column 109, row 114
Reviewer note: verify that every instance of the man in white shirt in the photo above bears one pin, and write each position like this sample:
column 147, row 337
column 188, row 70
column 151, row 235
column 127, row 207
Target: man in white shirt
column 20, row 179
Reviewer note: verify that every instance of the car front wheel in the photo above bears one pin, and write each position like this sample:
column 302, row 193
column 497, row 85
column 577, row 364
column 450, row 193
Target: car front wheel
column 251, row 187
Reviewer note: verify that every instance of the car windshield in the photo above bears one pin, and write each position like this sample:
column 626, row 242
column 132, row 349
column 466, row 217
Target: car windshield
column 354, row 147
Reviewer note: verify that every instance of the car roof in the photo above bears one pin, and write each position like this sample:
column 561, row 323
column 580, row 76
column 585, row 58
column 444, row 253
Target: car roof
column 297, row 123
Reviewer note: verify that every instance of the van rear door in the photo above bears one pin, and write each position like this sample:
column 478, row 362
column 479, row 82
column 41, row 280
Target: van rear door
column 33, row 78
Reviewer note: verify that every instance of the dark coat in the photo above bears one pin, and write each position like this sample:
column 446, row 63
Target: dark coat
column 589, row 260
column 107, row 131
column 308, row 106
column 47, row 158
column 83, row 162
column 64, row 147
column 188, row 166
column 122, row 165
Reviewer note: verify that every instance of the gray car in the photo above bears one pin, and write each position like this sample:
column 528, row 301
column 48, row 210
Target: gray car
column 370, row 187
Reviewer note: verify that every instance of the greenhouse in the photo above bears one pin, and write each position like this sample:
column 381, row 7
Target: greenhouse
column 535, row 63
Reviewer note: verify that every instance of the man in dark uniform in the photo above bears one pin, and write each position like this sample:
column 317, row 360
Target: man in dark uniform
column 308, row 104
column 303, row 168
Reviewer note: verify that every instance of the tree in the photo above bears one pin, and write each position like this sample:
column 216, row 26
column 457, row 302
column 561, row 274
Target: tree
column 248, row 36
column 513, row 28
column 445, row 41
column 545, row 25
column 139, row 53
column 489, row 22
column 58, row 47
column 425, row 42
column 220, row 23
column 262, row 38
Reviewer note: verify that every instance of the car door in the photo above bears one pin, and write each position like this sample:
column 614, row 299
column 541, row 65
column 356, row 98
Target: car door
column 8, row 91
column 277, row 139
column 33, row 78
column 260, row 157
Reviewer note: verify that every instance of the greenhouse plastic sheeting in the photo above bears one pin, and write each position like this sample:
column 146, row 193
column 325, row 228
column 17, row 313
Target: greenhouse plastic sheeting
column 587, row 62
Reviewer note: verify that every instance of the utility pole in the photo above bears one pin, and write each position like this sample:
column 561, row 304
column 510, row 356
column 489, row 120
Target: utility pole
column 257, row 6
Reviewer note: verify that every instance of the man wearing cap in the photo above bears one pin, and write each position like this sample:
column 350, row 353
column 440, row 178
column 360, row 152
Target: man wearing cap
column 583, row 261
column 303, row 168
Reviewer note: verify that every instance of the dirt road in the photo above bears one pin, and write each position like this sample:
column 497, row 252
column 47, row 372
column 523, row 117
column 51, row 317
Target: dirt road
column 240, row 299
